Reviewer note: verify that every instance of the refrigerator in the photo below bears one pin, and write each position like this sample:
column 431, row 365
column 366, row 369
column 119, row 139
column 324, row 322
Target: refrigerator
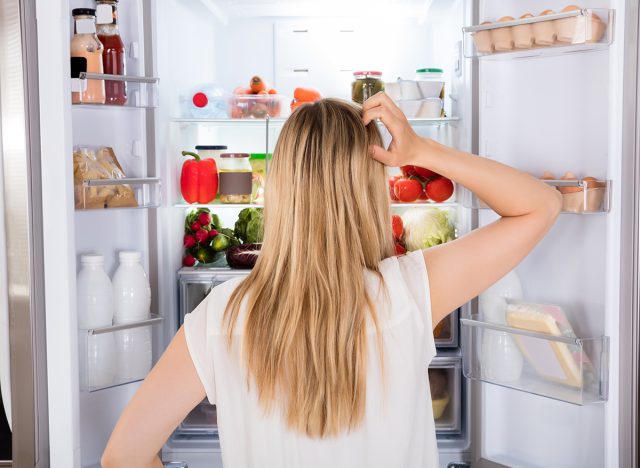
column 563, row 107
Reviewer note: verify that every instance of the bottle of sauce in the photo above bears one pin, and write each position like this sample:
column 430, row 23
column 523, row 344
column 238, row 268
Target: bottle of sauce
column 85, row 44
column 113, row 58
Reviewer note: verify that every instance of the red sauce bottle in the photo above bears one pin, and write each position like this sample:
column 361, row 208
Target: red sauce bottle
column 113, row 57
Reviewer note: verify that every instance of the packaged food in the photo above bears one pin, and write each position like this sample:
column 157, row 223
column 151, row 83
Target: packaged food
column 365, row 85
column 431, row 82
column 439, row 385
column 114, row 55
column 587, row 27
column 523, row 34
column 544, row 32
column 258, row 163
column 235, row 178
column 483, row 40
column 86, row 45
column 502, row 38
column 101, row 164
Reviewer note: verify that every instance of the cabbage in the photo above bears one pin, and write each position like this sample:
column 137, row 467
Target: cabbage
column 424, row 228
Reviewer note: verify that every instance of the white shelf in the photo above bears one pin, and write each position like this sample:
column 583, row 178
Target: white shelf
column 217, row 206
column 281, row 120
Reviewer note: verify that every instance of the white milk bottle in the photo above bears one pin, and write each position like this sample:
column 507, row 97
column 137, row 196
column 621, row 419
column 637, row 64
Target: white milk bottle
column 131, row 288
column 94, row 293
column 133, row 353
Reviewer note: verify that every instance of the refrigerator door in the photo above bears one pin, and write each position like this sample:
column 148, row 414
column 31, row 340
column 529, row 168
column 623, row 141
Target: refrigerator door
column 22, row 289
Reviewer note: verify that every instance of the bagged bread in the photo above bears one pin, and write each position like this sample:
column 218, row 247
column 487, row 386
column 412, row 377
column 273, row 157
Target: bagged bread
column 102, row 164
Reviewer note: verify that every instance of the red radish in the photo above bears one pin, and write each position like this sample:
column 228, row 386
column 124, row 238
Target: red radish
column 423, row 173
column 396, row 224
column 204, row 219
column 213, row 233
column 195, row 226
column 407, row 190
column 202, row 235
column 189, row 241
column 439, row 189
column 189, row 260
column 400, row 250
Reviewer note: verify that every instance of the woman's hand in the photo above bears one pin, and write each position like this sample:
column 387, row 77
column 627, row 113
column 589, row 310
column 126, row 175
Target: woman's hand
column 405, row 145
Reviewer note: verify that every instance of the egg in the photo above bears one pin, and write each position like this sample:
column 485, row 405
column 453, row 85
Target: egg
column 569, row 176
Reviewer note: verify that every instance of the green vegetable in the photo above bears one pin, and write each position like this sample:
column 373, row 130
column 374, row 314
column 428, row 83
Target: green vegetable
column 206, row 255
column 426, row 228
column 250, row 226
column 220, row 243
column 233, row 241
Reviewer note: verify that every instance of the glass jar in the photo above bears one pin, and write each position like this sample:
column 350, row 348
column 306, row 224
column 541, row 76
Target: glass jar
column 259, row 167
column 365, row 85
column 235, row 178
column 113, row 58
column 211, row 151
column 85, row 44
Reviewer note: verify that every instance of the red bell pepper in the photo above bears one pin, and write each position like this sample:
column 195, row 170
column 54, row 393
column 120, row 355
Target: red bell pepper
column 199, row 179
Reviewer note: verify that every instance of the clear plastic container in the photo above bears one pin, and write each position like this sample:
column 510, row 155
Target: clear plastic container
column 131, row 288
column 97, row 360
column 205, row 101
column 431, row 82
column 259, row 168
column 257, row 106
column 94, row 293
column 235, row 178
column 366, row 84
column 446, row 394
column 133, row 353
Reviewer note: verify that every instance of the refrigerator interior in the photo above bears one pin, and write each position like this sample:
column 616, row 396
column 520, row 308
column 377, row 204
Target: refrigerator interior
column 532, row 114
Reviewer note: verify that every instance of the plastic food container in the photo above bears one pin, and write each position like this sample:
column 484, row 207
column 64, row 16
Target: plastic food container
column 430, row 82
column 235, row 178
column 579, row 202
column 392, row 88
column 410, row 108
column 430, row 108
column 580, row 29
column 523, row 34
column 257, row 106
column 483, row 41
column 211, row 151
column 409, row 90
column 544, row 32
column 365, row 85
column 503, row 37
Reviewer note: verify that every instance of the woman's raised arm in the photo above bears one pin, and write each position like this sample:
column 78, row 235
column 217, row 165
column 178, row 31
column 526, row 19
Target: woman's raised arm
column 462, row 269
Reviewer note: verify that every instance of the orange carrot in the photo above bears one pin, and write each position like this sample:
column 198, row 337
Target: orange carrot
column 264, row 91
column 273, row 91
column 257, row 84
column 306, row 94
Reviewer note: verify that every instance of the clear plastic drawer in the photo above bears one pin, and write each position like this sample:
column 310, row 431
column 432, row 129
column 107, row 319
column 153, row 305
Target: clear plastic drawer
column 446, row 394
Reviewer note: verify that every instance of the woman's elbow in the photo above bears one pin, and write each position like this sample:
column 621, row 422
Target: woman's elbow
column 552, row 205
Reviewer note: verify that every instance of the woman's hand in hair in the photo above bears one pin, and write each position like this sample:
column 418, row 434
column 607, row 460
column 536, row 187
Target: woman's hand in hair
column 405, row 145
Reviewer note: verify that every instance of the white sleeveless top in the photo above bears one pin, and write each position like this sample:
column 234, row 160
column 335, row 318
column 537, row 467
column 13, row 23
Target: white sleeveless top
column 398, row 429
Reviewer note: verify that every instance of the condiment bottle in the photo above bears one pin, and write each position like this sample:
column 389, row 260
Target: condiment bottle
column 234, row 175
column 85, row 44
column 113, row 58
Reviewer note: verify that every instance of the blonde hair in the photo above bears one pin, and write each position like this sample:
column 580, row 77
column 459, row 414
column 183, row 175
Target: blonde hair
column 327, row 220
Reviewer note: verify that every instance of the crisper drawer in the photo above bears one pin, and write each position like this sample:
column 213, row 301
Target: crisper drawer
column 195, row 284
column 445, row 333
column 445, row 380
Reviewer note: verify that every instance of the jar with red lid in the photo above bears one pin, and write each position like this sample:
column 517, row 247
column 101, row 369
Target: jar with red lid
column 365, row 85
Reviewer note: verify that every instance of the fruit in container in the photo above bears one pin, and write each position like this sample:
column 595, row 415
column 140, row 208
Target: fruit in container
column 257, row 101
column 198, row 179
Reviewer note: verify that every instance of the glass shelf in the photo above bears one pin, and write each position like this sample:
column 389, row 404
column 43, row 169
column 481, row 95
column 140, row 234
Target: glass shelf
column 559, row 33
column 112, row 194
column 116, row 355
column 579, row 196
column 281, row 121
column 142, row 91
column 217, row 206
column 556, row 366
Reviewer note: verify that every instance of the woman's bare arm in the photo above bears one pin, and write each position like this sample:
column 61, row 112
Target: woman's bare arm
column 462, row 269
column 166, row 396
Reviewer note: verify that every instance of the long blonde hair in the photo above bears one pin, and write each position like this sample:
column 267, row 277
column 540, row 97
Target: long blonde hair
column 327, row 220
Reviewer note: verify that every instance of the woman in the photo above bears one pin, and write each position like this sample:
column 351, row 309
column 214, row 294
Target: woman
column 319, row 357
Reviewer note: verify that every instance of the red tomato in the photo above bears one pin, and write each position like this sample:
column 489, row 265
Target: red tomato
column 424, row 173
column 407, row 190
column 396, row 224
column 392, row 182
column 408, row 171
column 439, row 189
column 400, row 250
column 423, row 196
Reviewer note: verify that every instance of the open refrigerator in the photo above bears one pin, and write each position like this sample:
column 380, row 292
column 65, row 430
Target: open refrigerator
column 557, row 108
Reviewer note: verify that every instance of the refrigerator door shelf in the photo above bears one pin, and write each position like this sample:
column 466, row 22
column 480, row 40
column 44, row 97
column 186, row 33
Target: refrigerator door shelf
column 141, row 91
column 567, row 32
column 446, row 332
column 581, row 197
column 116, row 355
column 447, row 402
column 118, row 194
column 572, row 370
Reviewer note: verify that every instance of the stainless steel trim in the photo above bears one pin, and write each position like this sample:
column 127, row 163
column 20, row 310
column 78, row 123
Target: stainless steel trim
column 22, row 208
column 629, row 342
column 129, row 78
column 155, row 318
column 534, row 19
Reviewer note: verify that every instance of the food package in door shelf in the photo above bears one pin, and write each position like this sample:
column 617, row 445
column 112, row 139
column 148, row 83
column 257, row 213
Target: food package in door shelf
column 439, row 385
column 96, row 165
